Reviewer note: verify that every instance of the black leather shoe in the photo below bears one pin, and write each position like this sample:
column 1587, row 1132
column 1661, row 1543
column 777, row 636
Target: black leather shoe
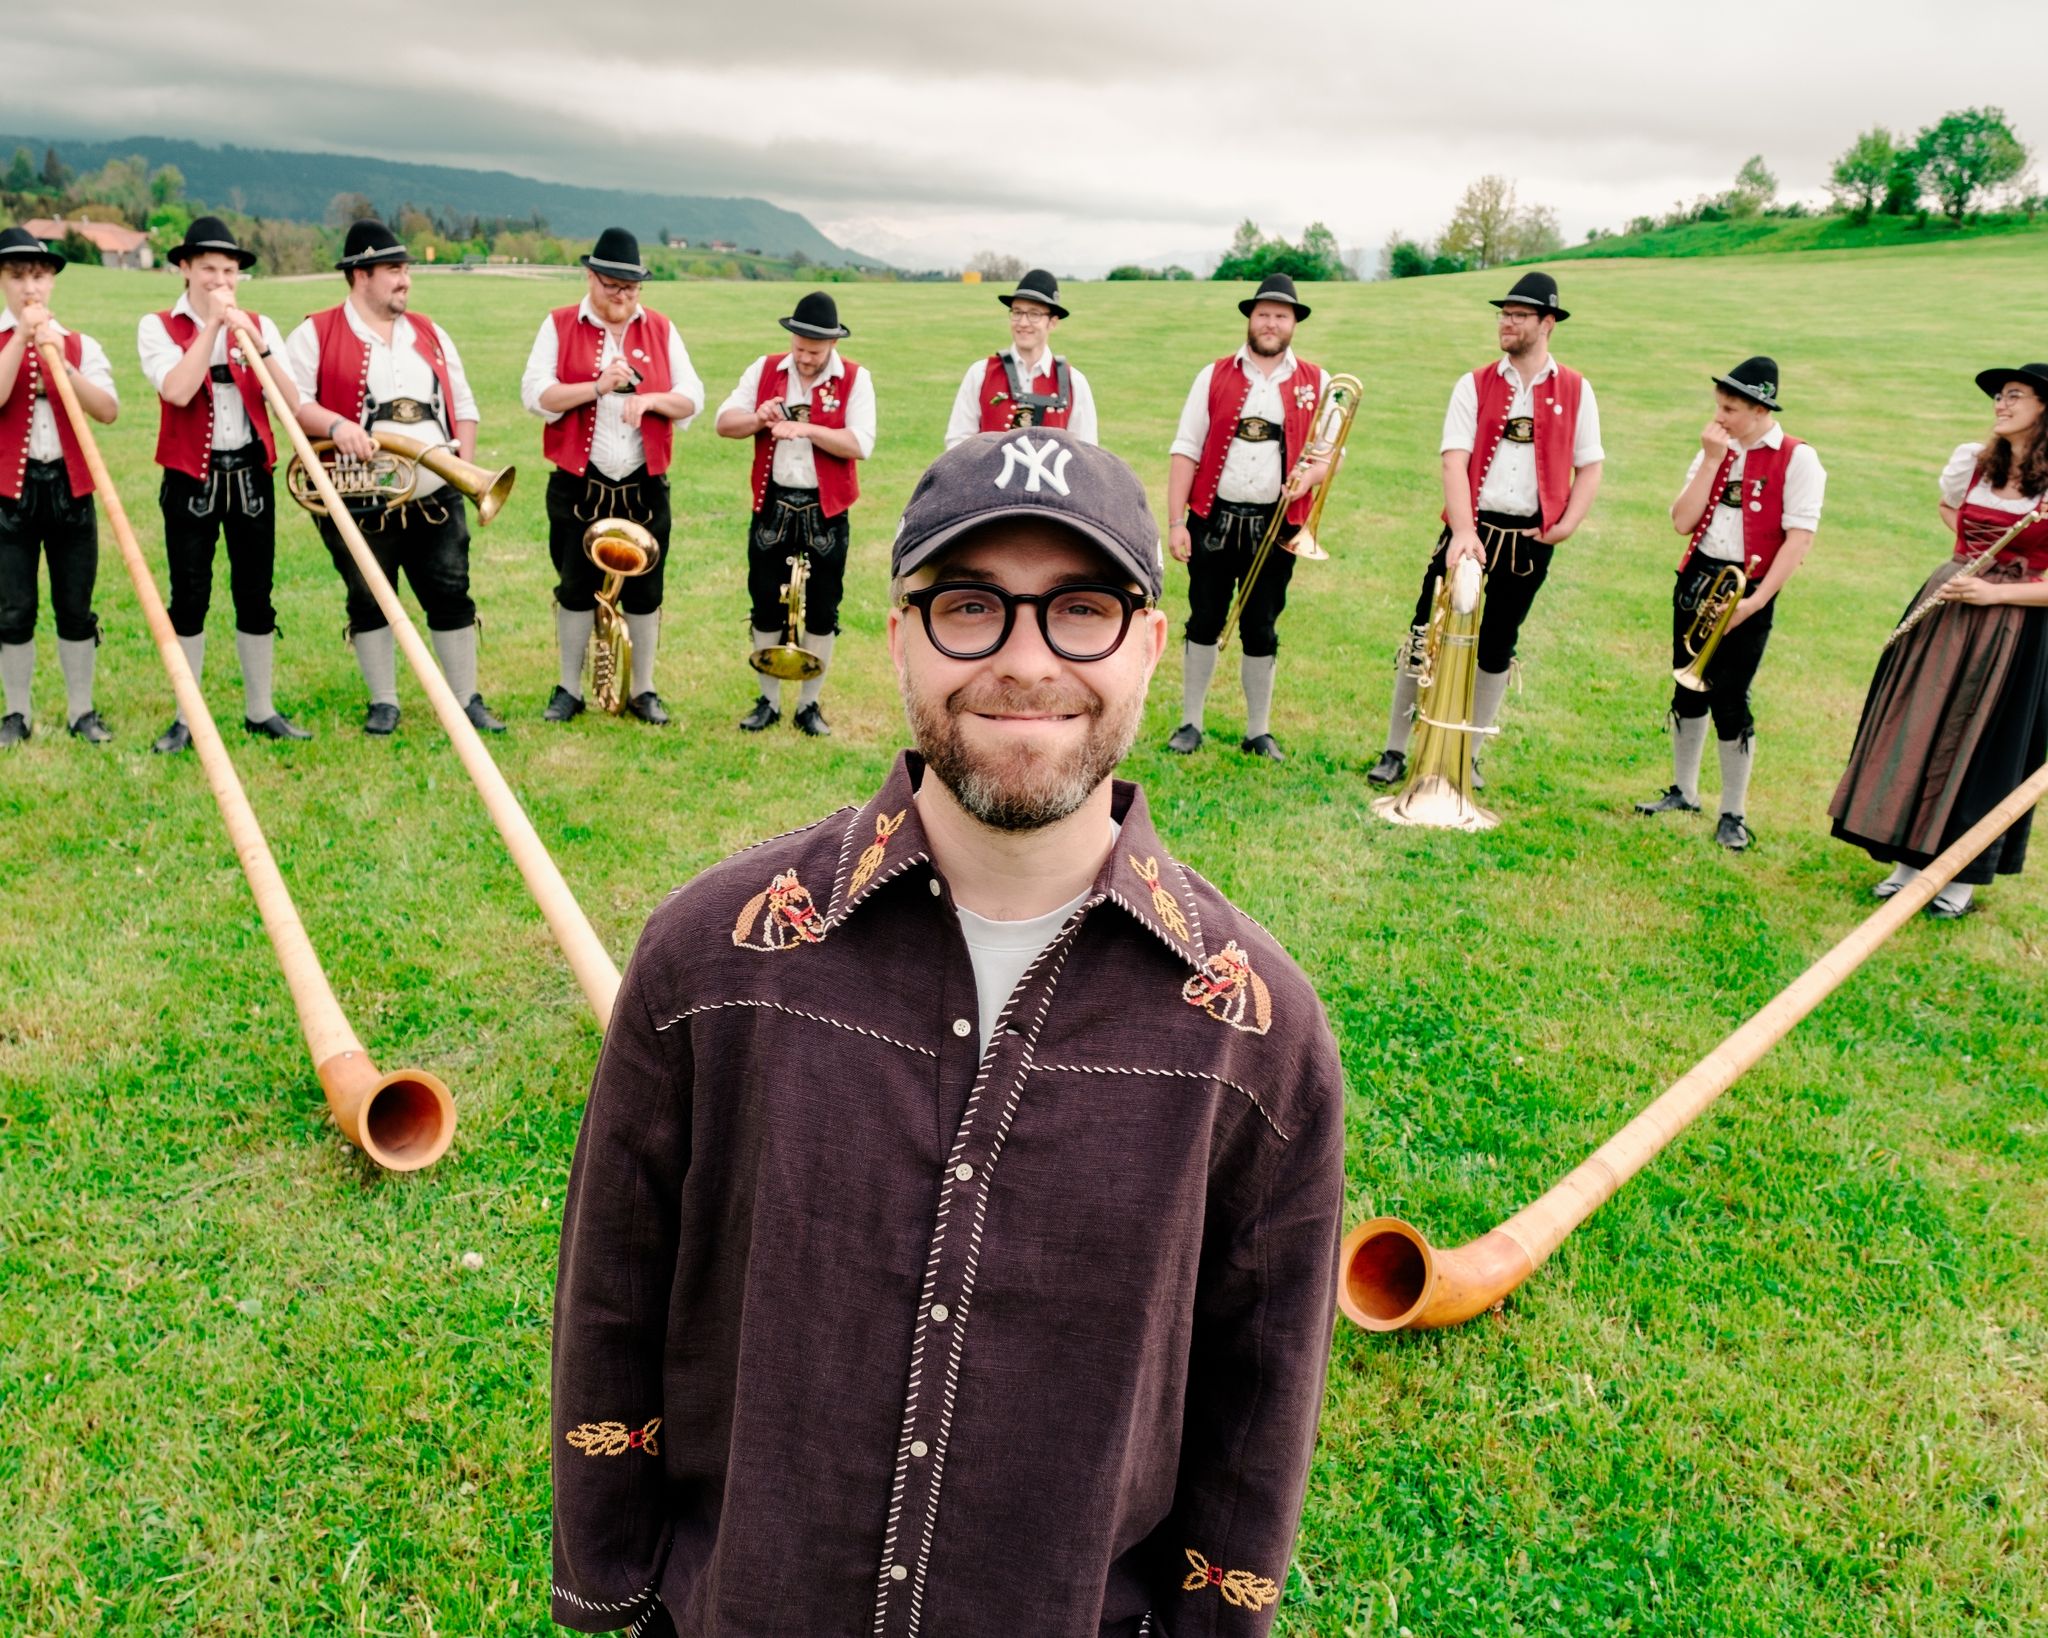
column 1672, row 801
column 764, row 715
column 562, row 706
column 90, row 729
column 277, row 726
column 1732, row 833
column 648, row 708
column 172, row 740
column 810, row 720
column 380, row 719
column 1185, row 740
column 1264, row 745
column 480, row 716
column 1388, row 770
column 1478, row 778
column 1937, row 910
column 14, row 729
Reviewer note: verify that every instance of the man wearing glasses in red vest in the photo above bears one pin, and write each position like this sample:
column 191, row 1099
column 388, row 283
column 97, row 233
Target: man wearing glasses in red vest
column 1026, row 384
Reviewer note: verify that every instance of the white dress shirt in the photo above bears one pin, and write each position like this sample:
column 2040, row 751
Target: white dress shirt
column 794, row 466
column 616, row 450
column 160, row 356
column 1252, row 473
column 1955, row 481
column 397, row 368
column 43, row 443
column 1510, row 482
column 1806, row 483
column 965, row 421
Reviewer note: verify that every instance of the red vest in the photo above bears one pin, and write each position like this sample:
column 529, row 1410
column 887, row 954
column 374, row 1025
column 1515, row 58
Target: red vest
column 838, row 484
column 343, row 384
column 17, row 422
column 578, row 347
column 1763, row 507
column 999, row 414
column 1978, row 526
column 184, row 436
column 1555, row 401
column 1229, row 387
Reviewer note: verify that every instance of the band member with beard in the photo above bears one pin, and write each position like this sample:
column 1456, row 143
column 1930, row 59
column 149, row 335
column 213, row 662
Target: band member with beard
column 614, row 383
column 1242, row 430
column 811, row 414
column 995, row 1140
column 1752, row 499
column 46, row 492
column 1026, row 384
column 1957, row 715
column 373, row 364
column 1521, row 466
column 217, row 448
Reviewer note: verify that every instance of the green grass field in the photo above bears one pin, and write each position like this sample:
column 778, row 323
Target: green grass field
column 1769, row 235
column 1794, row 1379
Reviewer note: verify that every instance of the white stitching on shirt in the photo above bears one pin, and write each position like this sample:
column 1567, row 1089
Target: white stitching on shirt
column 583, row 1603
column 1181, row 1074
column 1194, row 910
column 798, row 1012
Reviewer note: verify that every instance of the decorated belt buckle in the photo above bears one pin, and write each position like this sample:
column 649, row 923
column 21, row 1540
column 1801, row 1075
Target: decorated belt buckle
column 1254, row 429
column 1521, row 429
column 1731, row 492
column 405, row 411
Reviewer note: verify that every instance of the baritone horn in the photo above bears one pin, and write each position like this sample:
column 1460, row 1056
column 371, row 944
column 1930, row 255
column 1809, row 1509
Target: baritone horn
column 789, row 660
column 1710, row 619
column 389, row 478
column 622, row 549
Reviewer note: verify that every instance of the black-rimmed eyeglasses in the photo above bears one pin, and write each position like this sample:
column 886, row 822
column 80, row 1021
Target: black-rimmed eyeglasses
column 968, row 620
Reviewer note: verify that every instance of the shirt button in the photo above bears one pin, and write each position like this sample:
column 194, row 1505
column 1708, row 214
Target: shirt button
column 941, row 1313
column 936, row 890
column 964, row 1172
column 962, row 1028
column 919, row 1448
column 898, row 1573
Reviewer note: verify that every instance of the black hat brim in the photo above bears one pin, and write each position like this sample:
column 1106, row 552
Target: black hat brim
column 22, row 253
column 1993, row 382
column 631, row 272
column 1557, row 313
column 816, row 332
column 1728, row 383
column 1038, row 296
column 1300, row 307
column 373, row 258
column 179, row 255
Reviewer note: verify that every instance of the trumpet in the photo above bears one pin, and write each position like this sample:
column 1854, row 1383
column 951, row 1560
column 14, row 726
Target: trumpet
column 789, row 660
column 1335, row 412
column 391, row 477
column 1710, row 619
column 622, row 549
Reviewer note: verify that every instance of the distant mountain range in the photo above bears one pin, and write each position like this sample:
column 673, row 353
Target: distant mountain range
column 297, row 187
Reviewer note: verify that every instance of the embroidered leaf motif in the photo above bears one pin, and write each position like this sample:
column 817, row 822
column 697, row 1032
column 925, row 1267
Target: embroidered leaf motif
column 1239, row 1587
column 871, row 859
column 1164, row 905
column 614, row 1438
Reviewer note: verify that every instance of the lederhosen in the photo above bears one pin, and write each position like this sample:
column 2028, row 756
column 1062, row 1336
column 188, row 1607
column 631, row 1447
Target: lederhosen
column 48, row 514
column 788, row 521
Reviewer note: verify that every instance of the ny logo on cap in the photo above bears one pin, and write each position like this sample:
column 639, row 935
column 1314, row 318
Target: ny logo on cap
column 1021, row 452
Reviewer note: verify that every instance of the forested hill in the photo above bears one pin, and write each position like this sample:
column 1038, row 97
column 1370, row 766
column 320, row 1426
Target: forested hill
column 299, row 186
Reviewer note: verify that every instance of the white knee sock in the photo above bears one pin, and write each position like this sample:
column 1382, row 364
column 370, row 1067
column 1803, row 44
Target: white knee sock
column 456, row 650
column 1401, row 719
column 76, row 660
column 572, row 635
column 1256, row 673
column 17, row 676
column 377, row 659
column 1737, row 757
column 822, row 647
column 257, row 655
column 1688, row 748
column 1490, row 688
column 766, row 686
column 195, row 657
column 644, row 630
column 1198, row 669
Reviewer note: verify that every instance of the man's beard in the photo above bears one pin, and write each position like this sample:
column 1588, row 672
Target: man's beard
column 1022, row 787
column 1274, row 350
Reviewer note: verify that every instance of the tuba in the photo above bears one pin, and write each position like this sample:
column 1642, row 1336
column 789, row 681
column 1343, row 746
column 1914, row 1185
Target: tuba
column 1438, row 792
column 789, row 660
column 622, row 549
column 1710, row 618
column 389, row 479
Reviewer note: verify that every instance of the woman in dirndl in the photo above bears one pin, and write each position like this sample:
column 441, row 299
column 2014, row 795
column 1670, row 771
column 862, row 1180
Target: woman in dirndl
column 1957, row 715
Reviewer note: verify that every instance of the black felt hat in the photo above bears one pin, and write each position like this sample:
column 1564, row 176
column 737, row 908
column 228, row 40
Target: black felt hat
column 370, row 243
column 617, row 256
column 1537, row 290
column 1755, row 379
column 209, row 233
column 17, row 244
column 816, row 316
column 1994, row 381
column 1039, row 286
column 1274, row 287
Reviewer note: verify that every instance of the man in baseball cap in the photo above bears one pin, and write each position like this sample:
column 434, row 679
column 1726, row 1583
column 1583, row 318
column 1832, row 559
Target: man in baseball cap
column 986, row 1057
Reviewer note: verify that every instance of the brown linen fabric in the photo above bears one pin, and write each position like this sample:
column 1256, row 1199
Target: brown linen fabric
column 856, row 1335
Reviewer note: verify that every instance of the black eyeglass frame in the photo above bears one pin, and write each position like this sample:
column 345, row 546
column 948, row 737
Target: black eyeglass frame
column 921, row 600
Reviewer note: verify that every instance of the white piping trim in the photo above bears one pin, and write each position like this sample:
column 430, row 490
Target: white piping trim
column 798, row 1012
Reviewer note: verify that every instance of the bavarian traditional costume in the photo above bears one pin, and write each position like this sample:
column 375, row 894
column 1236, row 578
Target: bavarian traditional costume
column 1003, row 393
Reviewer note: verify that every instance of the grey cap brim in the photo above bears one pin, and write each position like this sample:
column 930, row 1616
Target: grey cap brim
column 1147, row 575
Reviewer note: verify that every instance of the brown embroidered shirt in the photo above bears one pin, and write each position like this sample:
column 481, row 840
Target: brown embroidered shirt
column 856, row 1334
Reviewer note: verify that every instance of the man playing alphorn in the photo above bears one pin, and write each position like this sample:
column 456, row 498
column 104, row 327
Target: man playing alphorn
column 1026, row 384
column 614, row 383
column 1521, row 465
column 46, row 492
column 811, row 414
column 368, row 365
column 218, row 450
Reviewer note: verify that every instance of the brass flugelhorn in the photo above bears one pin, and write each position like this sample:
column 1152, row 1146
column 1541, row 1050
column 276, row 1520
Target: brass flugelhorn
column 789, row 660
column 402, row 1120
column 390, row 478
column 1710, row 619
column 622, row 549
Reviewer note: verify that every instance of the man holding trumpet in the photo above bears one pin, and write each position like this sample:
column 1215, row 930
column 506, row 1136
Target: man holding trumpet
column 372, row 365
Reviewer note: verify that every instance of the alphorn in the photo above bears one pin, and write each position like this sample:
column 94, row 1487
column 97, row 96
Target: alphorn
column 403, row 1120
column 1393, row 1279
column 587, row 957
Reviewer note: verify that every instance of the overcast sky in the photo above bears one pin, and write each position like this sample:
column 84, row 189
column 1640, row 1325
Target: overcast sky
column 1076, row 136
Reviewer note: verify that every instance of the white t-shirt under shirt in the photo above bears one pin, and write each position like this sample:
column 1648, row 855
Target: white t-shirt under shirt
column 1001, row 952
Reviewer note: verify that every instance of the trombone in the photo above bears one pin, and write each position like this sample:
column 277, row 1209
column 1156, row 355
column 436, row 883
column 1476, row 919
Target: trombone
column 1335, row 412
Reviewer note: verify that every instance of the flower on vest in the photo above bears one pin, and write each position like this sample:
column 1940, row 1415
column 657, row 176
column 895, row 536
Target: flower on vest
column 1305, row 395
column 828, row 400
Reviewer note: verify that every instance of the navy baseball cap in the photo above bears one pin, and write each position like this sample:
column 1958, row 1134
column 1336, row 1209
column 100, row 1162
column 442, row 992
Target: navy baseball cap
column 1032, row 472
